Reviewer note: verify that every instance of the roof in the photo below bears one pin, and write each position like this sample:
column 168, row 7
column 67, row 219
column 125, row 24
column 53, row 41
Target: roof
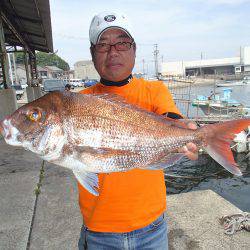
column 40, row 68
column 31, row 21
column 213, row 62
column 178, row 66
column 53, row 68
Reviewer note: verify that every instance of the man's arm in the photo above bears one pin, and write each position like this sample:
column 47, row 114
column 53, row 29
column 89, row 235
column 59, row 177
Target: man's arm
column 190, row 150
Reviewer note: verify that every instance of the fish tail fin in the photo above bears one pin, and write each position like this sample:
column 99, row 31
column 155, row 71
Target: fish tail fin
column 218, row 138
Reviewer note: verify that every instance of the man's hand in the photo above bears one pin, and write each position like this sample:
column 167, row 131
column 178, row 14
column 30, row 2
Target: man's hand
column 190, row 150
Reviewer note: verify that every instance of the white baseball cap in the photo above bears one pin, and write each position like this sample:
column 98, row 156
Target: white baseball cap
column 106, row 20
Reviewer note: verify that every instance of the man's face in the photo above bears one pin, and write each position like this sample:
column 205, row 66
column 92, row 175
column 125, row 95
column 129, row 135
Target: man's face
column 114, row 65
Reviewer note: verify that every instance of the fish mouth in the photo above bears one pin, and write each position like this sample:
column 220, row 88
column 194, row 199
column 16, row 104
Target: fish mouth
column 10, row 133
column 4, row 128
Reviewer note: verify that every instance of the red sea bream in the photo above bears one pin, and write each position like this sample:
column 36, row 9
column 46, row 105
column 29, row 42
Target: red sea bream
column 93, row 134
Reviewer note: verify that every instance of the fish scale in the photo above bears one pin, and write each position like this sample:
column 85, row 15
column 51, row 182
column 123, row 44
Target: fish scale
column 93, row 134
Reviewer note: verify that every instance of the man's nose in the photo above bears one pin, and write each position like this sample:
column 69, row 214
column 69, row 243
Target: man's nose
column 113, row 50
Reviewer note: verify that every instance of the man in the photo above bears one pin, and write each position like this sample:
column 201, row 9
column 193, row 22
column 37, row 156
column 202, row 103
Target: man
column 129, row 211
column 67, row 87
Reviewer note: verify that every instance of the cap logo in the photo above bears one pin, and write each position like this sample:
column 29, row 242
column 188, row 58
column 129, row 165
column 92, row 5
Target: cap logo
column 109, row 18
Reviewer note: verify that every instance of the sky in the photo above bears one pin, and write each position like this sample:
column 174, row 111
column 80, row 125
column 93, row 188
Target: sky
column 182, row 29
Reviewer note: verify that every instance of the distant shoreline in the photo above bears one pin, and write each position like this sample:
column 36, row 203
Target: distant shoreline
column 186, row 83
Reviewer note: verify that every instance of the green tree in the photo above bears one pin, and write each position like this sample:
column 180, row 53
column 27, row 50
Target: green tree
column 19, row 56
column 44, row 59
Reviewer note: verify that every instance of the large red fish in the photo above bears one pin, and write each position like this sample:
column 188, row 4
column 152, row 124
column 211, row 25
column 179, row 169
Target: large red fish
column 100, row 134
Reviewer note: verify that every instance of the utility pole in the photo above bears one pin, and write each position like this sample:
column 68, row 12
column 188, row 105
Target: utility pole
column 240, row 57
column 10, row 68
column 14, row 65
column 156, row 52
column 200, row 65
column 4, row 58
column 143, row 67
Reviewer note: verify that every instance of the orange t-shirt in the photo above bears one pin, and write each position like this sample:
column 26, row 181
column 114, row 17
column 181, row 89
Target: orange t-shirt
column 128, row 200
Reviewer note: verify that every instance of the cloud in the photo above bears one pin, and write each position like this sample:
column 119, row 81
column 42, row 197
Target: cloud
column 182, row 29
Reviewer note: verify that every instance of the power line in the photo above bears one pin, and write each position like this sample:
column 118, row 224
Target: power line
column 71, row 37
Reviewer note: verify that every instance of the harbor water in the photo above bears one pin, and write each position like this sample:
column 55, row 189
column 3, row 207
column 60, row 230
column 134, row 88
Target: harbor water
column 205, row 173
column 239, row 93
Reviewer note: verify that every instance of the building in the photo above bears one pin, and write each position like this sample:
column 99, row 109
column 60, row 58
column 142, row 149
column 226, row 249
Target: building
column 20, row 73
column 85, row 70
column 53, row 71
column 224, row 66
column 43, row 72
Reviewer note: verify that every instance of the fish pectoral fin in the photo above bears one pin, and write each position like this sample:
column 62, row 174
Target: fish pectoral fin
column 166, row 161
column 88, row 180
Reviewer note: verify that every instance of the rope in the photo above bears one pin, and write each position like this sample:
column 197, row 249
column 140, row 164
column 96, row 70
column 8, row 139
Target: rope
column 235, row 222
column 193, row 177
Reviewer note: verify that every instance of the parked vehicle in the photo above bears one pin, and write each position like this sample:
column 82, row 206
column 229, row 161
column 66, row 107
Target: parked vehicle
column 50, row 85
column 19, row 91
column 246, row 80
column 89, row 83
column 76, row 82
column 24, row 86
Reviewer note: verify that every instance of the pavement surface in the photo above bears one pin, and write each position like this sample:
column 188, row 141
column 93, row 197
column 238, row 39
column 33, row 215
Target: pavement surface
column 57, row 221
column 19, row 175
column 194, row 222
column 39, row 209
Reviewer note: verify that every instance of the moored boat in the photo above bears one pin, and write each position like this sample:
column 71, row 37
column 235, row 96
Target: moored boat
column 245, row 81
column 217, row 105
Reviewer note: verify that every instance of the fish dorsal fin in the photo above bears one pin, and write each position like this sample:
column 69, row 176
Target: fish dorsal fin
column 121, row 100
column 110, row 97
column 117, row 99
column 88, row 180
column 177, row 123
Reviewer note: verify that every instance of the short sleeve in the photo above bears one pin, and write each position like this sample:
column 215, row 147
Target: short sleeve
column 163, row 100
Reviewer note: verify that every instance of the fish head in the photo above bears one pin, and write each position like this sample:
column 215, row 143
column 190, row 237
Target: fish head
column 36, row 126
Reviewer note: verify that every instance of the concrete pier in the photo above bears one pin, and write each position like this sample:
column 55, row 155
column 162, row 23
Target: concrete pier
column 19, row 175
column 194, row 222
column 8, row 102
column 39, row 209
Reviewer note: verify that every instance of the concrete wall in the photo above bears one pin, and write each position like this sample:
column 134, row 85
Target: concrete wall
column 246, row 55
column 247, row 69
column 8, row 103
column 85, row 70
column 33, row 93
column 21, row 73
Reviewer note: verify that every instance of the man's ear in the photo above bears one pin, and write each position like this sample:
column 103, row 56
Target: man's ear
column 92, row 52
column 134, row 46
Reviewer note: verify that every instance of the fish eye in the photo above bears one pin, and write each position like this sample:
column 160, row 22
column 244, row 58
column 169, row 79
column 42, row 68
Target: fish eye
column 34, row 115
